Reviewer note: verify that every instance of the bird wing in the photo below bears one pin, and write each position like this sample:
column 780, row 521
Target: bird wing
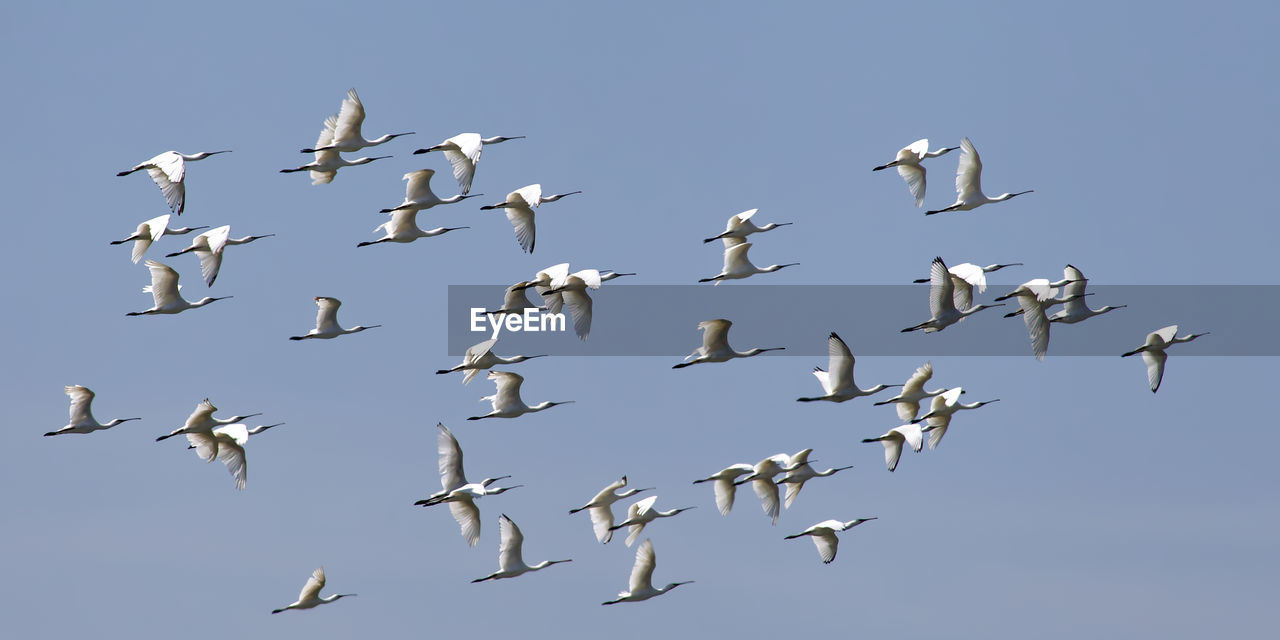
column 914, row 175
column 210, row 263
column 941, row 288
column 724, row 490
column 418, row 185
column 464, row 160
column 350, row 118
column 1162, row 337
column 327, row 314
column 641, row 507
column 840, row 363
column 767, row 491
column 206, row 444
column 477, row 351
column 521, row 218
column 967, row 277
column 969, row 172
column 642, row 572
column 531, row 195
column 826, row 542
column 311, row 590
column 1155, row 367
column 892, row 451
column 167, row 170
column 325, row 140
column 602, row 522
column 715, row 335
column 450, row 452
column 1037, row 325
column 157, row 226
column 736, row 221
column 202, row 412
column 467, row 514
column 918, row 148
column 735, row 258
column 81, row 399
column 508, row 387
column 912, row 434
column 164, row 283
column 1074, row 288
column 915, row 384
column 510, row 542
column 946, row 399
column 231, row 452
column 580, row 305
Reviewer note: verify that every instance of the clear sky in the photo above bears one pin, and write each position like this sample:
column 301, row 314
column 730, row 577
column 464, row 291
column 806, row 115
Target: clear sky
column 1081, row 505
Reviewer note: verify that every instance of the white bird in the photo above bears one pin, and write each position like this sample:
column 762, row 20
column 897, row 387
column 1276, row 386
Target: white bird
column 740, row 226
column 940, row 412
column 346, row 135
column 738, row 266
column 169, row 171
column 715, row 345
column 761, row 479
column 802, row 473
column 1034, row 296
column 463, row 152
column 209, row 246
column 403, row 227
column 640, row 587
column 913, row 392
column 310, row 596
column 327, row 161
column 150, row 231
column 459, row 494
column 327, row 321
column 519, row 206
column 418, row 194
column 510, row 561
column 641, row 513
column 600, row 508
column 942, row 306
column 908, row 163
column 824, row 536
column 226, row 443
column 541, row 283
column 516, row 298
column 164, row 292
column 571, row 289
column 1076, row 309
column 966, row 277
column 1153, row 351
column 506, row 400
column 202, row 421
column 969, row 183
column 480, row 356
column 725, row 484
column 837, row 380
column 82, row 420
column 893, row 440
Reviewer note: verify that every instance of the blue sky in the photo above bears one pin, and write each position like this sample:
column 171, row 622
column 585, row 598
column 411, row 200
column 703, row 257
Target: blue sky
column 1080, row 504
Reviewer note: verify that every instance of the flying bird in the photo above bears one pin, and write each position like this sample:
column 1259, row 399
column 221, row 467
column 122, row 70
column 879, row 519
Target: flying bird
column 762, row 474
column 516, row 299
column 740, row 226
column 202, row 420
column 908, row 163
column 738, row 266
column 327, row 161
column 150, row 231
column 837, row 380
column 510, row 561
column 506, row 400
column 345, row 130
column 519, row 206
column 942, row 307
column 480, row 356
column 463, row 152
column 1034, row 296
column 82, row 420
column 715, row 345
column 226, row 443
column 169, row 171
column 908, row 401
column 1075, row 309
column 403, row 228
column 641, row 513
column 640, row 587
column 802, row 472
column 969, row 183
column 965, row 278
column 310, row 596
column 940, row 412
column 824, row 536
column 327, row 321
column 164, row 292
column 418, row 194
column 600, row 508
column 726, row 484
column 455, row 491
column 209, row 246
column 1153, row 351
column 894, row 439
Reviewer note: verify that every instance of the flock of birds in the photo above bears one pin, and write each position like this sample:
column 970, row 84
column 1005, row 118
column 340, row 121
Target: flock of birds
column 951, row 299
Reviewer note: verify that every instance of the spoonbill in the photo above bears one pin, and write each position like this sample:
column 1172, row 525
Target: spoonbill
column 418, row 194
column 463, row 152
column 738, row 266
column 345, row 135
column 516, row 299
column 1075, row 309
column 824, row 536
column 1153, row 351
column 802, row 473
column 164, row 292
column 209, row 246
column 940, row 412
column 403, row 227
column 459, row 494
column 908, row 401
column 715, row 345
column 726, row 484
column 740, row 226
column 942, row 307
column 969, row 183
column 253, row 432
column 310, row 596
column 893, row 440
column 226, row 443
column 510, row 561
column 908, row 163
column 640, row 587
column 150, row 231
column 169, row 171
column 327, row 161
column 82, row 420
column 572, row 291
column 762, row 474
column 838, row 383
column 519, row 206
column 506, row 400
column 641, row 513
column 600, row 508
column 481, row 356
column 327, row 321
column 1034, row 296
column 967, row 277
column 202, row 420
